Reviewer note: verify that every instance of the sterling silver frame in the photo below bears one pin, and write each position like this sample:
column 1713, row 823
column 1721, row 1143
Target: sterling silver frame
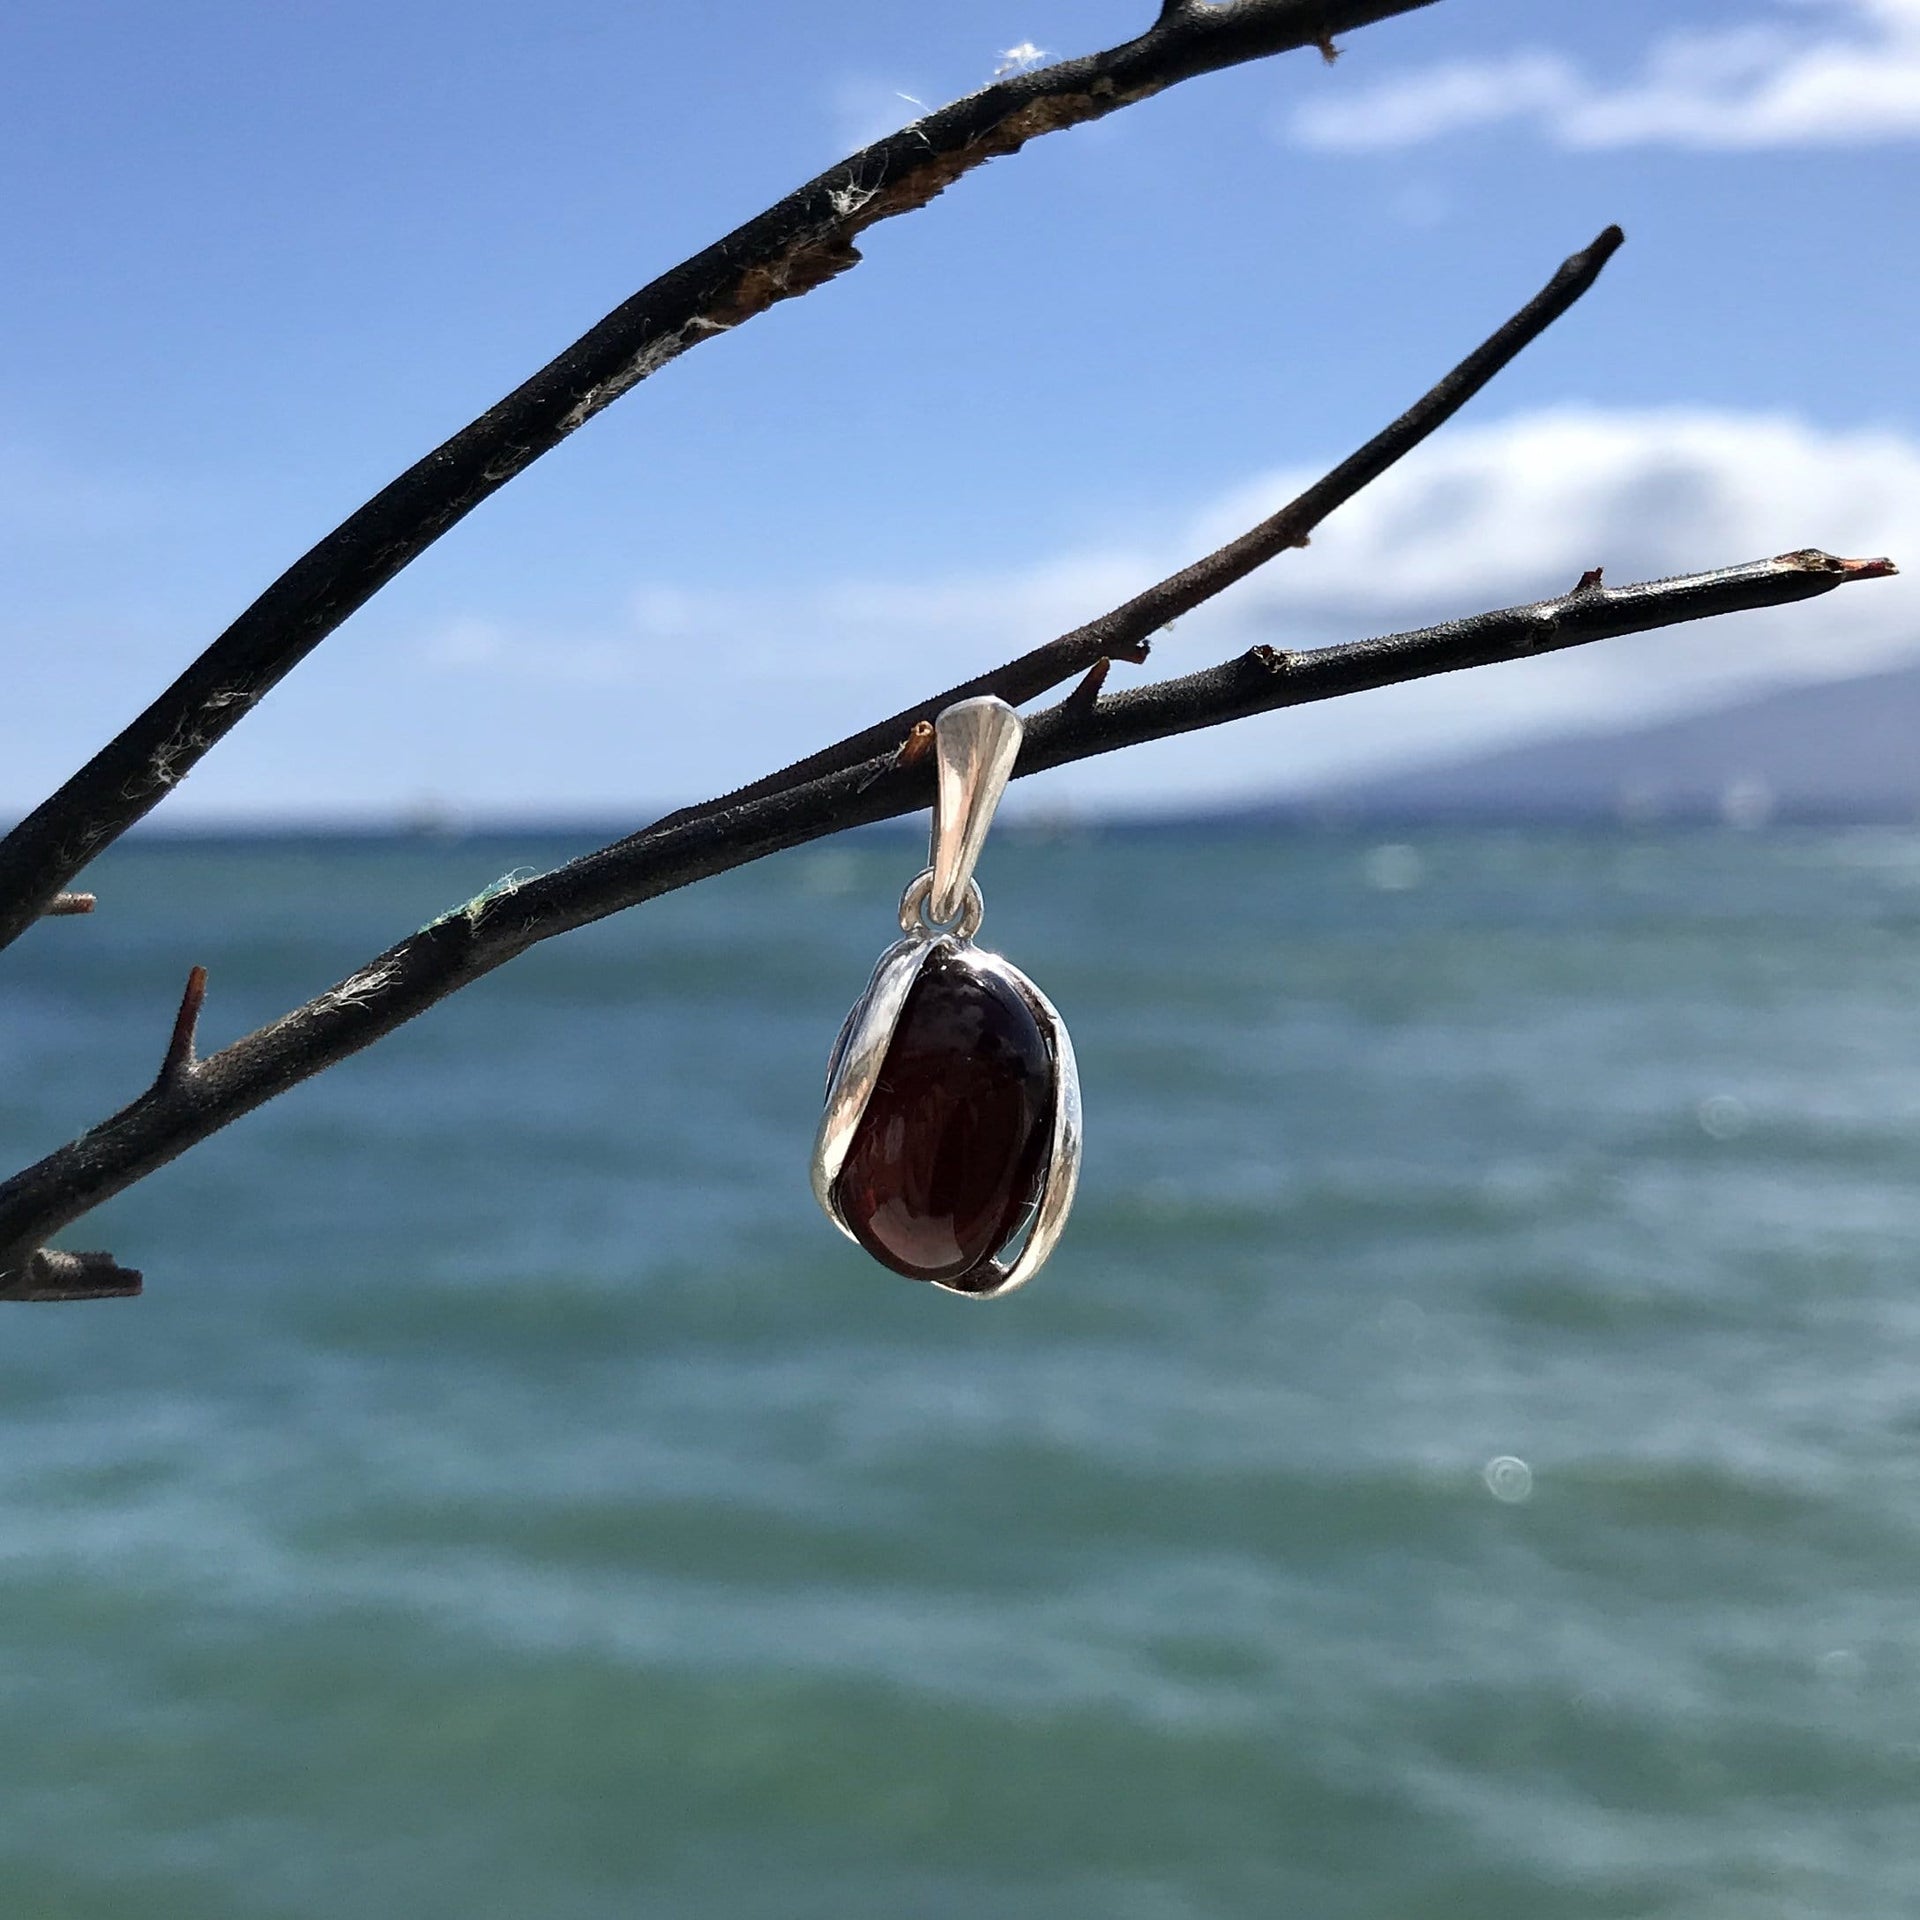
column 854, row 1071
column 976, row 743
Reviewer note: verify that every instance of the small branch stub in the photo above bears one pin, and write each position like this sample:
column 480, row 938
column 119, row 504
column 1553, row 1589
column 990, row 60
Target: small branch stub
column 68, row 903
column 48, row 1275
column 179, row 1063
column 53, row 1276
column 1088, row 691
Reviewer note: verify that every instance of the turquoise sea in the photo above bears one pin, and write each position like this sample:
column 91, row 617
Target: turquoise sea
column 1463, row 1464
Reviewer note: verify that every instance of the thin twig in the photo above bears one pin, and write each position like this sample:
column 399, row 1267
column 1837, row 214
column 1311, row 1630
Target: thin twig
column 179, row 1063
column 790, row 249
column 1126, row 632
column 464, row 945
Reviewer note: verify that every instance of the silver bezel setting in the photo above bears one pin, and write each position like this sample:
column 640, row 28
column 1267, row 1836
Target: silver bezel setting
column 854, row 1071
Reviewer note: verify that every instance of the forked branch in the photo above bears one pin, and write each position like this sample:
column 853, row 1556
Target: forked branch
column 470, row 942
column 1127, row 632
column 795, row 246
column 875, row 774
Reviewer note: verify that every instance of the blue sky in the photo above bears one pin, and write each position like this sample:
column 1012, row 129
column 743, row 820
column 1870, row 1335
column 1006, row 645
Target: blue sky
column 257, row 259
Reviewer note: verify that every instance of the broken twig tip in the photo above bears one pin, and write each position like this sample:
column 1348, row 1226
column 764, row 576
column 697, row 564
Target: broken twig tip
column 1815, row 560
column 66, row 903
column 916, row 746
column 53, row 1275
column 1591, row 581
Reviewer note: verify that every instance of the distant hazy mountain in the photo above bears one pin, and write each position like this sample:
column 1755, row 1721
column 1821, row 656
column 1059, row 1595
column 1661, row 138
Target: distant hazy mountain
column 1835, row 750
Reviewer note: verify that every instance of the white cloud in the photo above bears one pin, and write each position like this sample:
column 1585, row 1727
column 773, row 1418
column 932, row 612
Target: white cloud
column 1819, row 73
column 1485, row 517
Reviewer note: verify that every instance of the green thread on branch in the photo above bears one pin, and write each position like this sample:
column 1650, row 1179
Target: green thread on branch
column 474, row 910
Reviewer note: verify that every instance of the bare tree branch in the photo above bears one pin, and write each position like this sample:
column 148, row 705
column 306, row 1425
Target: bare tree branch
column 1126, row 633
column 791, row 248
column 492, row 929
column 878, row 773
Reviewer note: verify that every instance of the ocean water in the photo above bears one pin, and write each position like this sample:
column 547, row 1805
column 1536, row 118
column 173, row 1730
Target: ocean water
column 1464, row 1460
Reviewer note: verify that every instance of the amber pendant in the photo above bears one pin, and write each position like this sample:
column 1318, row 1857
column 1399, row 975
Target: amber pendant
column 950, row 1143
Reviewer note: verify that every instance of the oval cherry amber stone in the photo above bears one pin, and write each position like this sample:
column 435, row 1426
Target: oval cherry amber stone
column 950, row 1152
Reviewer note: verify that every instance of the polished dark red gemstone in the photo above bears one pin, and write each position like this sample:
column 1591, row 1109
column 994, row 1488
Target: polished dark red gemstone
column 951, row 1150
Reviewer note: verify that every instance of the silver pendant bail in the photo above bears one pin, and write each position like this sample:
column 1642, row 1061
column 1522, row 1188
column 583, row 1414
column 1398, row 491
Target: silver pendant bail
column 975, row 744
